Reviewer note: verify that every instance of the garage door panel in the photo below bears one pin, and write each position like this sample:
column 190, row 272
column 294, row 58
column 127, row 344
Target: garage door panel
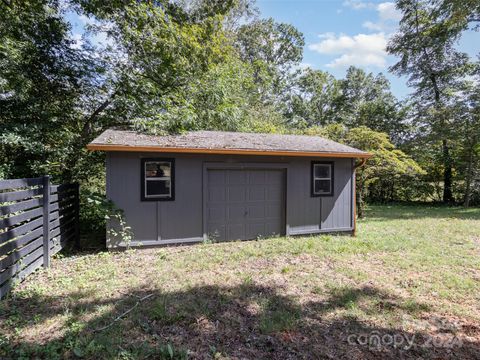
column 273, row 210
column 217, row 231
column 250, row 203
column 256, row 212
column 236, row 232
column 235, row 177
column 274, row 192
column 257, row 177
column 217, row 213
column 235, row 213
column 236, row 193
column 255, row 230
column 216, row 177
column 256, row 193
column 271, row 228
column 217, row 194
column 272, row 178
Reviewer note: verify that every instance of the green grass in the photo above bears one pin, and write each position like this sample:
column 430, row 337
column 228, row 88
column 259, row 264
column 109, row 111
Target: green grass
column 409, row 269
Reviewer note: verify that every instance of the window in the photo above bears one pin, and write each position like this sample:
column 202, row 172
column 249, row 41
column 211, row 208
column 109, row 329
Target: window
column 158, row 179
column 322, row 178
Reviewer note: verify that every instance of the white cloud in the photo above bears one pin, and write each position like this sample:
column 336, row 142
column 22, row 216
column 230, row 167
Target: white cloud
column 388, row 18
column 357, row 4
column 388, row 11
column 372, row 26
column 359, row 50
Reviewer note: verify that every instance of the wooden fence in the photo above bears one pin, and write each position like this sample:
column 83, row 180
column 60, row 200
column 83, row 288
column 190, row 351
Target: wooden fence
column 37, row 219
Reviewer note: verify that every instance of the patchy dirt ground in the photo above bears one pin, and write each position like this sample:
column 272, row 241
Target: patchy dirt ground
column 407, row 287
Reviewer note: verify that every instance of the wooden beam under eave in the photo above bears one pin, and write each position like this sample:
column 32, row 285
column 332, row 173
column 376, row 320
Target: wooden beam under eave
column 104, row 147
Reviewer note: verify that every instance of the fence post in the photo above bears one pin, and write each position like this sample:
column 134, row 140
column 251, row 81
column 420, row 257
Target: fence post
column 46, row 221
column 77, row 215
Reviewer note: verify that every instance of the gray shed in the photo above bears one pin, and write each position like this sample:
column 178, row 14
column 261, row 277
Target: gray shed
column 228, row 186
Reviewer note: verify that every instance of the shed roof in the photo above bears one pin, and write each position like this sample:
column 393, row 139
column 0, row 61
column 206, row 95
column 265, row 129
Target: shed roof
column 222, row 142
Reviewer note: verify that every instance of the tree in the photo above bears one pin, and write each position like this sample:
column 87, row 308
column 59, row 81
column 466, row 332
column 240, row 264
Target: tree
column 313, row 98
column 465, row 105
column 387, row 169
column 57, row 96
column 181, row 68
column 224, row 98
column 459, row 14
column 385, row 174
column 366, row 100
column 360, row 99
column 425, row 46
column 43, row 83
column 272, row 49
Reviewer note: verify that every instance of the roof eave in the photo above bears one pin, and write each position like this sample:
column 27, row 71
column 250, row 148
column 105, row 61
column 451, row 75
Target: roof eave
column 127, row 148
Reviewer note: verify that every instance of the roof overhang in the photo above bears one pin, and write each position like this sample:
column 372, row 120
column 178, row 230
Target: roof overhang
column 128, row 148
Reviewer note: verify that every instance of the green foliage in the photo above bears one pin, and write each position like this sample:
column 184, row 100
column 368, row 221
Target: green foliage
column 360, row 99
column 389, row 174
column 42, row 78
column 272, row 49
column 366, row 100
column 465, row 108
column 458, row 14
column 169, row 352
column 425, row 45
column 314, row 99
column 175, row 66
column 97, row 209
column 224, row 98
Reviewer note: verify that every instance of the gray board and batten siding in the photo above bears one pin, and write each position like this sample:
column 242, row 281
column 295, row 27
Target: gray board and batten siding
column 213, row 190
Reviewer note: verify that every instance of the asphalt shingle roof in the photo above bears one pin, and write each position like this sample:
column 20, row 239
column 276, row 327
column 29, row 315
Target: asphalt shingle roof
column 218, row 141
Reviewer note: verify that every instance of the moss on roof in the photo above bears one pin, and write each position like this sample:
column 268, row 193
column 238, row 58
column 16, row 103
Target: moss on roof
column 222, row 140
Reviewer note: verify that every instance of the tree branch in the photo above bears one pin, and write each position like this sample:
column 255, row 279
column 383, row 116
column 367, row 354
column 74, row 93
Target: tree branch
column 86, row 126
column 119, row 317
column 432, row 75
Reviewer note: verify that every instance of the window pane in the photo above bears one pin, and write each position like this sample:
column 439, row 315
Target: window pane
column 322, row 171
column 158, row 188
column 157, row 169
column 322, row 186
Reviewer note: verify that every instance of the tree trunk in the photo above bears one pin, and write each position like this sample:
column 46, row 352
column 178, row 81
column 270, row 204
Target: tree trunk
column 360, row 202
column 447, row 174
column 392, row 191
column 468, row 180
column 84, row 138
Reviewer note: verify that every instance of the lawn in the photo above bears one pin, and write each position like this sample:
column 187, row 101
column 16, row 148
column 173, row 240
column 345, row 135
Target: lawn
column 408, row 286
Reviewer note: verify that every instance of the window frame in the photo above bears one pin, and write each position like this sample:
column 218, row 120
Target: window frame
column 143, row 178
column 312, row 178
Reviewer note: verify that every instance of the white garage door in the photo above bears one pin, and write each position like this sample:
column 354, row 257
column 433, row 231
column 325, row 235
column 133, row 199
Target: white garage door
column 245, row 204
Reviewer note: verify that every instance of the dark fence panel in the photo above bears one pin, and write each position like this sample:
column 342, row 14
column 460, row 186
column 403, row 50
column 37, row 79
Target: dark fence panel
column 36, row 221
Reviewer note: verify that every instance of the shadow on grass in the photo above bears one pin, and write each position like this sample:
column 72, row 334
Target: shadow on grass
column 90, row 243
column 247, row 321
column 419, row 211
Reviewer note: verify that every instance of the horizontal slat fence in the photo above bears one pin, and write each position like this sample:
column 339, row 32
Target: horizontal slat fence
column 32, row 210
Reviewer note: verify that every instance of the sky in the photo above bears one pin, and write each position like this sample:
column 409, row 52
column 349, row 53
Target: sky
column 340, row 33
